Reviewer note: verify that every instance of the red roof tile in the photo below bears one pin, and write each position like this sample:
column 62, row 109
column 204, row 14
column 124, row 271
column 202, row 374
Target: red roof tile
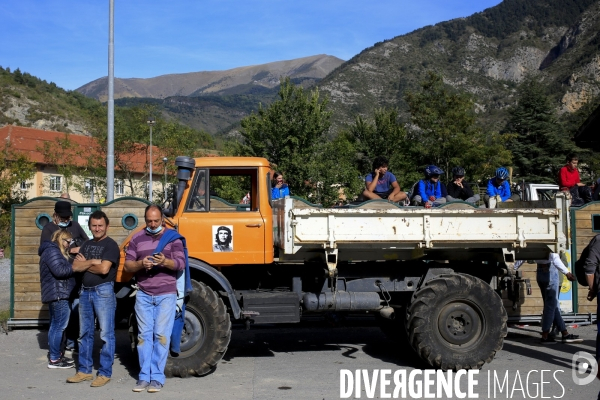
column 29, row 141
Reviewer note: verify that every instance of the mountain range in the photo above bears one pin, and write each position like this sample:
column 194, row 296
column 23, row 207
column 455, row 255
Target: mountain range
column 487, row 54
column 214, row 100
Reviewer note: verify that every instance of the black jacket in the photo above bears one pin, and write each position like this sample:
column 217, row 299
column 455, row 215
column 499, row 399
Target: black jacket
column 458, row 192
column 56, row 274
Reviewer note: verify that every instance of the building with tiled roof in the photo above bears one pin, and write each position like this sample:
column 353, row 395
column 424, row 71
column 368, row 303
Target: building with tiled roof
column 47, row 180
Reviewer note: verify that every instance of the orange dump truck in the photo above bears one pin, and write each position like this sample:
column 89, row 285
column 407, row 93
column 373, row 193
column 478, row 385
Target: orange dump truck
column 432, row 277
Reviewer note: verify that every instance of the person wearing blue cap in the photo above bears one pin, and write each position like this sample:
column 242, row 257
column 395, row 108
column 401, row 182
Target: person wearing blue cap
column 430, row 191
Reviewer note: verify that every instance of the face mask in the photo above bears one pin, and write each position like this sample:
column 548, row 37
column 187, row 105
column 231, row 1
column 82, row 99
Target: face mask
column 63, row 224
column 154, row 231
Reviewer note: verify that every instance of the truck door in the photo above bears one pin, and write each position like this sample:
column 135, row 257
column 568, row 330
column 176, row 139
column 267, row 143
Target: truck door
column 222, row 222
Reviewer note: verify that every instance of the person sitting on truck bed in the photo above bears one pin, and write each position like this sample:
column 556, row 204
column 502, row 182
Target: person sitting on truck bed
column 498, row 187
column 547, row 280
column 458, row 189
column 381, row 183
column 430, row 191
column 568, row 180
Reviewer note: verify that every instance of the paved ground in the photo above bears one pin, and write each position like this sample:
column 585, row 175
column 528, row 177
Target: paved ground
column 300, row 362
column 294, row 362
column 4, row 284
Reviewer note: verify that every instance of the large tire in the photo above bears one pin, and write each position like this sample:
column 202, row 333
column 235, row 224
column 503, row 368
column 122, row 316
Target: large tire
column 205, row 336
column 456, row 322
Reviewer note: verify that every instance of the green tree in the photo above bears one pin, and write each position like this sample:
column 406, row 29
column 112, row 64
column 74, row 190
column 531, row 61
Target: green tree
column 291, row 133
column 445, row 130
column 385, row 136
column 538, row 147
column 15, row 168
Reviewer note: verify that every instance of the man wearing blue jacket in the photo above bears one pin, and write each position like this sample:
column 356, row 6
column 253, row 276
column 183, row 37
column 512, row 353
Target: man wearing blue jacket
column 430, row 191
column 498, row 187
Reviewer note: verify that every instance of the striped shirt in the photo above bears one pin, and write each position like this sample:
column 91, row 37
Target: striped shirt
column 160, row 280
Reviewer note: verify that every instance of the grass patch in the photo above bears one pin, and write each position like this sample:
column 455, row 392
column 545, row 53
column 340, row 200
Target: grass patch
column 4, row 316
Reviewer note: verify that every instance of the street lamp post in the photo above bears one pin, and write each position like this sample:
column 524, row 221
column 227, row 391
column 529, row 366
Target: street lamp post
column 165, row 159
column 150, row 123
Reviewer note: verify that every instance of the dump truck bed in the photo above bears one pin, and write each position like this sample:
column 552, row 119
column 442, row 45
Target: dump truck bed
column 379, row 225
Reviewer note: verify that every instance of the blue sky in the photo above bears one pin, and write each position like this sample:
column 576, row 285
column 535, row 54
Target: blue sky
column 66, row 41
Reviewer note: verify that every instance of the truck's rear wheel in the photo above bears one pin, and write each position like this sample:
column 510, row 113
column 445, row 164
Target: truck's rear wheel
column 456, row 322
column 205, row 336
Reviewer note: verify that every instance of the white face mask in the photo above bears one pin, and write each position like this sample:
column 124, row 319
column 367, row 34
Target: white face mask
column 154, row 231
column 63, row 224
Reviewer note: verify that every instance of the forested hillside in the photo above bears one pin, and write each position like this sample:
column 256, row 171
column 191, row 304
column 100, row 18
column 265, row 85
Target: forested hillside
column 487, row 54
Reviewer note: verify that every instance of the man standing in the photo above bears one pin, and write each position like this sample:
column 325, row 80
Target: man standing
column 155, row 303
column 97, row 300
column 568, row 180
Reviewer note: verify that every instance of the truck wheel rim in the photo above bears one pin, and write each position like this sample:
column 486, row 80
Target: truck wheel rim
column 460, row 324
column 193, row 334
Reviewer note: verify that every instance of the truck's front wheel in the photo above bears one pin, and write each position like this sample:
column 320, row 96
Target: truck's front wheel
column 456, row 322
column 205, row 336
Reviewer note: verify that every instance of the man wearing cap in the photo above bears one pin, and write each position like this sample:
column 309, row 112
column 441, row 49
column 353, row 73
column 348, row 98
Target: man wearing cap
column 62, row 219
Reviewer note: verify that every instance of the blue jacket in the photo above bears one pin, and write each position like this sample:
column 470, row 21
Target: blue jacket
column 56, row 273
column 426, row 189
column 277, row 193
column 503, row 190
column 184, row 287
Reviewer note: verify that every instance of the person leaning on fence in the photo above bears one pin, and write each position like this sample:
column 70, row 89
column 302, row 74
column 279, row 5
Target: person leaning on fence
column 458, row 189
column 499, row 188
column 156, row 299
column 430, row 191
column 57, row 284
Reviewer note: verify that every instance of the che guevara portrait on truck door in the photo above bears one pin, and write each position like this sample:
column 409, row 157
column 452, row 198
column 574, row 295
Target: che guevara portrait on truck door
column 222, row 238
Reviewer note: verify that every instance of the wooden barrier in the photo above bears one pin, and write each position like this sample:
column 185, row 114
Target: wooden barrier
column 25, row 296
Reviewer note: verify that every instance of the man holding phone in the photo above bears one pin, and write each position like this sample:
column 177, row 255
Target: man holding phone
column 155, row 303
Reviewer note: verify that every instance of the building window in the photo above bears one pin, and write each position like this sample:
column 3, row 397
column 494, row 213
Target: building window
column 24, row 185
column 55, row 184
column 89, row 188
column 119, row 187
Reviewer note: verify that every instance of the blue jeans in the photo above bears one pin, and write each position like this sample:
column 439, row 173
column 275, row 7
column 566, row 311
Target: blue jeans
column 155, row 316
column 548, row 282
column 98, row 301
column 72, row 330
column 60, row 311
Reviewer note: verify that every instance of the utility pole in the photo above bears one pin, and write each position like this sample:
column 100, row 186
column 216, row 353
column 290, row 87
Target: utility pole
column 151, row 123
column 110, row 154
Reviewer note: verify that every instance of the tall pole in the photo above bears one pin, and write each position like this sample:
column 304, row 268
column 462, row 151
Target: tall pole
column 110, row 156
column 150, row 122
column 165, row 159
